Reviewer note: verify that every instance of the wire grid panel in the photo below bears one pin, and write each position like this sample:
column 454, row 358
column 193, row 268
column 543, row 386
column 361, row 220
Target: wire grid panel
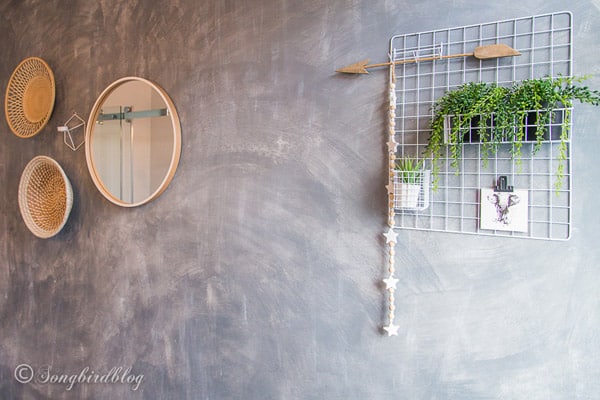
column 545, row 43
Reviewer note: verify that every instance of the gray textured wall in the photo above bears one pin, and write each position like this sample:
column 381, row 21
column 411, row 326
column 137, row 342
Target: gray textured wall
column 257, row 274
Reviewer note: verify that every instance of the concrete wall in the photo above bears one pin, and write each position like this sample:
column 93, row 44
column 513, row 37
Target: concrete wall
column 257, row 274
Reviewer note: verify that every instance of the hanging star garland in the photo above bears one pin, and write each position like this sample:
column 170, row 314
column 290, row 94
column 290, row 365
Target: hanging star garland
column 390, row 283
column 392, row 146
column 391, row 329
column 391, row 237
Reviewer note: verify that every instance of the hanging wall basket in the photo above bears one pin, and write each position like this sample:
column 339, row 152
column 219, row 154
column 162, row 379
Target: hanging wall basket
column 29, row 97
column 45, row 197
column 411, row 190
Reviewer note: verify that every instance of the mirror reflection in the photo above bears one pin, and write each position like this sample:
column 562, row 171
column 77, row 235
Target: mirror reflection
column 133, row 143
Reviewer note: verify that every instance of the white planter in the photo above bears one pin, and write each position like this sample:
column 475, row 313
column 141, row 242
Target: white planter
column 406, row 195
column 414, row 194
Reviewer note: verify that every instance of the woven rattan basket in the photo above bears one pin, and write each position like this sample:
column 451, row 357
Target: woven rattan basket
column 29, row 97
column 45, row 197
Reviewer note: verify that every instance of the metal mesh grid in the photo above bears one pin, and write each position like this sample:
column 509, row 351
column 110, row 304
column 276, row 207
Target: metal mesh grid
column 546, row 50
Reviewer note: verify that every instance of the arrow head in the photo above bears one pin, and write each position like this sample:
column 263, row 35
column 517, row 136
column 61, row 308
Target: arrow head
column 494, row 51
column 356, row 68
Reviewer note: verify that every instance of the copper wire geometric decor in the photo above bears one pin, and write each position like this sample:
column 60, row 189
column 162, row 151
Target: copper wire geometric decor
column 29, row 97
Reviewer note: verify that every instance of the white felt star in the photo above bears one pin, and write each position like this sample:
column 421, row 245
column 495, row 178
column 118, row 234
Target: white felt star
column 390, row 236
column 390, row 283
column 391, row 329
column 392, row 146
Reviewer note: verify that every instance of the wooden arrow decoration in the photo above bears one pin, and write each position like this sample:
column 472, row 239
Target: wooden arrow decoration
column 481, row 53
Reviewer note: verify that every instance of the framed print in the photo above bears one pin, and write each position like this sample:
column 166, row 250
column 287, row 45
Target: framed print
column 504, row 210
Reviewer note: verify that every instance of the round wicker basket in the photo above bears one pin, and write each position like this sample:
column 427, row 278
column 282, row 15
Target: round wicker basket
column 29, row 97
column 45, row 197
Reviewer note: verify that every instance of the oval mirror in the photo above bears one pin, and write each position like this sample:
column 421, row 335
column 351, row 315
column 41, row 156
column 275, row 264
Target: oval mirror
column 133, row 141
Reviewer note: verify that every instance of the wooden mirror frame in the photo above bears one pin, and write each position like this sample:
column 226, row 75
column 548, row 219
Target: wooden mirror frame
column 176, row 127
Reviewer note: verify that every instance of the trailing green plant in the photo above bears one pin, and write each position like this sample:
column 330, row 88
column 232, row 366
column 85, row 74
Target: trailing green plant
column 501, row 114
column 409, row 170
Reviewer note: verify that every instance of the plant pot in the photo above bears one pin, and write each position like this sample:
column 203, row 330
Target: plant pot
column 411, row 189
column 406, row 195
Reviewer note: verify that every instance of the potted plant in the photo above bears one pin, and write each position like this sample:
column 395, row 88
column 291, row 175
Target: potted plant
column 408, row 180
column 490, row 114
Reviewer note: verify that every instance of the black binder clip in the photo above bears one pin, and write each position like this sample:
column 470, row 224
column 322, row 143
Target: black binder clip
column 502, row 185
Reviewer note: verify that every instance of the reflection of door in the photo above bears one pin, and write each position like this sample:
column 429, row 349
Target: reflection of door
column 129, row 150
column 113, row 154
